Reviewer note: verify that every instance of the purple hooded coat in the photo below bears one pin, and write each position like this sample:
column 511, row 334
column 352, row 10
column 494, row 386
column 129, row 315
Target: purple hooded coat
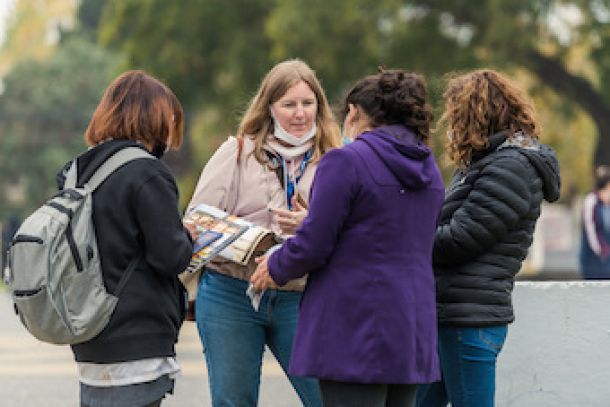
column 368, row 311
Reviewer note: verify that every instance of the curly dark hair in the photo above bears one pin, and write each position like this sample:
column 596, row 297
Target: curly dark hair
column 479, row 104
column 393, row 97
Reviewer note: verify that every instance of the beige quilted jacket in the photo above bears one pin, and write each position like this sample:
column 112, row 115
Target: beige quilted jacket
column 246, row 189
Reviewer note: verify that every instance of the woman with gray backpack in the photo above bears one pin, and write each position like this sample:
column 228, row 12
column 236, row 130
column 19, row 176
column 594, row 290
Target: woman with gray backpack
column 131, row 362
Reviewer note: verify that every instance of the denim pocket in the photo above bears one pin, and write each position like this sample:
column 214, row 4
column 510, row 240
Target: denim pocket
column 493, row 337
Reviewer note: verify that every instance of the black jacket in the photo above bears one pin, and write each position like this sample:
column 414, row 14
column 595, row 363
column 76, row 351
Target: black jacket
column 135, row 212
column 486, row 228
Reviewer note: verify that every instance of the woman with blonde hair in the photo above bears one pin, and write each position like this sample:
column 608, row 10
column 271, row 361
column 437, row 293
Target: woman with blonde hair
column 258, row 175
column 485, row 229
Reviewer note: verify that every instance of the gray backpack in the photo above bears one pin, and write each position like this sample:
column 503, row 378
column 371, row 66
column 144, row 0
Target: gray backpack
column 53, row 269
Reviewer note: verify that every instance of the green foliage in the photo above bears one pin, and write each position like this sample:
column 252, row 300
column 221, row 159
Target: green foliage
column 563, row 43
column 339, row 39
column 89, row 14
column 213, row 54
column 44, row 111
column 208, row 52
column 344, row 41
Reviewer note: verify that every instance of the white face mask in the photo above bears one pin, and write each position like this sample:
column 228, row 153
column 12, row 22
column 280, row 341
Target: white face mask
column 351, row 117
column 280, row 133
column 345, row 140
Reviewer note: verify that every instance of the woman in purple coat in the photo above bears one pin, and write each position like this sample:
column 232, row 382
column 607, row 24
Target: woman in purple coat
column 367, row 326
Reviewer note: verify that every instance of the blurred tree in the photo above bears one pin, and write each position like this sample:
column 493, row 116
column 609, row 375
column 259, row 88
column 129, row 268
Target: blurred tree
column 566, row 44
column 562, row 43
column 44, row 111
column 213, row 53
column 35, row 29
column 89, row 14
column 207, row 51
column 346, row 40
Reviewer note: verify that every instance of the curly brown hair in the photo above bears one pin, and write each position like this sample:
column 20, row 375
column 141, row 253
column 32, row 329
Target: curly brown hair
column 393, row 97
column 479, row 104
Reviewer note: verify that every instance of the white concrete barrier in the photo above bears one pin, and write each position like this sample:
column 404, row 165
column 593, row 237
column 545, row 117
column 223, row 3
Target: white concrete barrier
column 554, row 251
column 557, row 352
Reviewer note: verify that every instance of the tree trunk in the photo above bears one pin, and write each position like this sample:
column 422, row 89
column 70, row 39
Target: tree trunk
column 553, row 73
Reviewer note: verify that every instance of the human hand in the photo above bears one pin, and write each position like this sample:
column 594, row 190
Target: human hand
column 192, row 229
column 261, row 280
column 289, row 221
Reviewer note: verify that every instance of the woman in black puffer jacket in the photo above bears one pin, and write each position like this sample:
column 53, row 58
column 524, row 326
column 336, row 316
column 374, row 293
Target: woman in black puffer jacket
column 485, row 230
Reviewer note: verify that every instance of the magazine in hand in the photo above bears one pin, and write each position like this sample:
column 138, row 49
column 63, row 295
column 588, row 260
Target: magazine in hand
column 221, row 237
column 227, row 236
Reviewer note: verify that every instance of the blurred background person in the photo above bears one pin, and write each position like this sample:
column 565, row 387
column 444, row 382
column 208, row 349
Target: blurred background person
column 367, row 323
column 595, row 240
column 486, row 227
column 257, row 176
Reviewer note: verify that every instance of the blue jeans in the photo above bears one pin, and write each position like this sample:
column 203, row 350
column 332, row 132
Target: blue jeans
column 468, row 362
column 234, row 337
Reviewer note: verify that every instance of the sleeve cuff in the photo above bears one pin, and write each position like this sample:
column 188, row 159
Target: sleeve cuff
column 275, row 270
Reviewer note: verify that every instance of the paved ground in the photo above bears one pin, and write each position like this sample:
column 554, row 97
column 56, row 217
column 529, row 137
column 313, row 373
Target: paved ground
column 33, row 373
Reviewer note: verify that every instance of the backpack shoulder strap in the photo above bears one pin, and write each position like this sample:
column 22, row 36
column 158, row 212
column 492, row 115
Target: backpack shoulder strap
column 113, row 163
column 71, row 175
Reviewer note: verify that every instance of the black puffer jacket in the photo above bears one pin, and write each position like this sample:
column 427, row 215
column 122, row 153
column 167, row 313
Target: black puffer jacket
column 486, row 228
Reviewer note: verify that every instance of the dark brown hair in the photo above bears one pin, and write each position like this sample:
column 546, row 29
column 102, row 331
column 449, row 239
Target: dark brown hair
column 393, row 97
column 139, row 107
column 480, row 104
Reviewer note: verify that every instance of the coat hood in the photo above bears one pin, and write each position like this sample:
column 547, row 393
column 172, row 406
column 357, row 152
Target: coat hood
column 409, row 159
column 544, row 159
column 92, row 159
